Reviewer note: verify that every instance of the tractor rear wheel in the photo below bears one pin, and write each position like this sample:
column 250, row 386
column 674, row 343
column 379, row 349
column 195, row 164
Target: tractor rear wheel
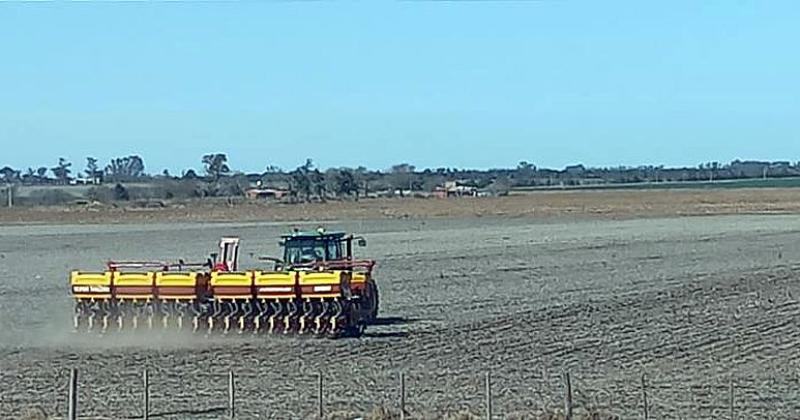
column 372, row 301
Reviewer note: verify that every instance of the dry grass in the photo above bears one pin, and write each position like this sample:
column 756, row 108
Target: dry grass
column 544, row 204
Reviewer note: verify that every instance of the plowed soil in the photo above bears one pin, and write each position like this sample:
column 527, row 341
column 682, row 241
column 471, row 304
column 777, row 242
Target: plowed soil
column 700, row 305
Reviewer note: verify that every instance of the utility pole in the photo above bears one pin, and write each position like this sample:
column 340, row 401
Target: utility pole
column 10, row 193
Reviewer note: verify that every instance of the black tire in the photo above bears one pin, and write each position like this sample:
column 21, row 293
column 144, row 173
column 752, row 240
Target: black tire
column 374, row 301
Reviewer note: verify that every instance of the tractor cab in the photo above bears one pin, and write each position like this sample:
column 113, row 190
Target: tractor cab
column 310, row 248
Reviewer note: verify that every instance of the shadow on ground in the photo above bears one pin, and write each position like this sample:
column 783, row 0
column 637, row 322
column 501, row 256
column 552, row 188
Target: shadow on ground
column 190, row 412
column 393, row 334
column 394, row 320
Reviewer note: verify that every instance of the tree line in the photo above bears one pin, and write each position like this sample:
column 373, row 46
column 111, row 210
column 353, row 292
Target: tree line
column 307, row 181
column 121, row 168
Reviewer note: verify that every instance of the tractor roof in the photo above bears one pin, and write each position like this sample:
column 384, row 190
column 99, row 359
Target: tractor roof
column 316, row 234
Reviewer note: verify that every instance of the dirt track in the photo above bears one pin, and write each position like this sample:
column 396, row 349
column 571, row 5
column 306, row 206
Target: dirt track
column 690, row 301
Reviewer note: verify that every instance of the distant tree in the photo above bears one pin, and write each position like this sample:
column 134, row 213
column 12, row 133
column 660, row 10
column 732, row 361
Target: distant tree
column 361, row 177
column 30, row 176
column 402, row 168
column 341, row 182
column 189, row 174
column 430, row 182
column 92, row 170
column 402, row 176
column 216, row 165
column 500, row 186
column 318, row 184
column 525, row 174
column 165, row 173
column 125, row 167
column 91, row 166
column 41, row 173
column 62, row 171
column 331, row 181
column 303, row 180
column 9, row 174
column 348, row 183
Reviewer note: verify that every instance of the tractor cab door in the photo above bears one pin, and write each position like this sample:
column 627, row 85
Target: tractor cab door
column 333, row 250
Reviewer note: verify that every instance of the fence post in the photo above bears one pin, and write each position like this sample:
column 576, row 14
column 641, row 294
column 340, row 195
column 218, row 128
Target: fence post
column 488, row 395
column 402, row 396
column 644, row 399
column 145, row 395
column 55, row 392
column 567, row 396
column 72, row 403
column 320, row 412
column 733, row 402
column 231, row 395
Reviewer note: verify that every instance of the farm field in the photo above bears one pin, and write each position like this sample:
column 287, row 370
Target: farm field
column 574, row 204
column 692, row 302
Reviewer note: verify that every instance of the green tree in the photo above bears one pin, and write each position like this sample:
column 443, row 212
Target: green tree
column 524, row 174
column 346, row 182
column 30, row 176
column 401, row 177
column 62, row 171
column 92, row 170
column 9, row 174
column 216, row 165
column 189, row 174
column 307, row 181
column 125, row 167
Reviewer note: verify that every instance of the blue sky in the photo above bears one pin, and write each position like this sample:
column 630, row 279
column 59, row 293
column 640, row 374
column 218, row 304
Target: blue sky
column 457, row 84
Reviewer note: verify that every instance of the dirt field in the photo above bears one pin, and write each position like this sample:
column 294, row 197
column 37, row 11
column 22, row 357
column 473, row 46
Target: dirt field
column 693, row 302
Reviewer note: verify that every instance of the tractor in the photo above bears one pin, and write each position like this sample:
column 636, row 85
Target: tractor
column 317, row 288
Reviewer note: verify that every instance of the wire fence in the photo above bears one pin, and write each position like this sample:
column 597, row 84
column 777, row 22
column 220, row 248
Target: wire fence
column 184, row 393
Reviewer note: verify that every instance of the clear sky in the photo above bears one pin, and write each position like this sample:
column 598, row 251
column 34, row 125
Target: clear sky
column 459, row 84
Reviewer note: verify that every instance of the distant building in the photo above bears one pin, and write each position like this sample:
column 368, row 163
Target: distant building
column 455, row 189
column 265, row 193
column 575, row 170
column 97, row 180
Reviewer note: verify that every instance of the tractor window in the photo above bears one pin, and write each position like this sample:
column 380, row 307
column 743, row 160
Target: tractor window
column 304, row 252
column 334, row 250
